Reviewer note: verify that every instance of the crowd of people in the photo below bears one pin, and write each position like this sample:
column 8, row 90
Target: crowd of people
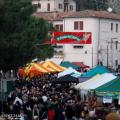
column 39, row 99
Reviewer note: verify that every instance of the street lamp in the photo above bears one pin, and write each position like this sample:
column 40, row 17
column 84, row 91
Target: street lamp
column 111, row 47
column 1, row 82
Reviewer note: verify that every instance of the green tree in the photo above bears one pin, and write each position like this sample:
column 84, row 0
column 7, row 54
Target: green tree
column 19, row 34
column 91, row 4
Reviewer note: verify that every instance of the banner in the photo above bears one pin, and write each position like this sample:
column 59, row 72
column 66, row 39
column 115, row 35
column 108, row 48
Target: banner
column 71, row 38
column 107, row 99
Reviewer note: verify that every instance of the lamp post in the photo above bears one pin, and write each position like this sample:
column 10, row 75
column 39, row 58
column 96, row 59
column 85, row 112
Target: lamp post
column 107, row 54
column 1, row 82
column 92, row 57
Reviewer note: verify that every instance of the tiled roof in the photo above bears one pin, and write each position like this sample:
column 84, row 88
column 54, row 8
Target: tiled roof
column 54, row 16
column 97, row 14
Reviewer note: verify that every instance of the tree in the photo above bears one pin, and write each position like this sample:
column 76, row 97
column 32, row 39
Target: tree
column 19, row 33
column 115, row 5
column 91, row 4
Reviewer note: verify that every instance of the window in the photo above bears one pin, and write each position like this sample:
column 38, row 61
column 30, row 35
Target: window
column 78, row 47
column 81, row 25
column 39, row 5
column 61, row 52
column 111, row 26
column 60, row 6
column 56, row 46
column 71, row 7
column 116, row 62
column 59, row 46
column 48, row 7
column 59, row 27
column 116, row 27
column 78, row 25
column 36, row 5
column 116, row 44
column 86, row 52
column 75, row 25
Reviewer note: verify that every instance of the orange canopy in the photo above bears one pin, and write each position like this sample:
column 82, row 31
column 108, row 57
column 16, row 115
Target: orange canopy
column 34, row 69
column 21, row 72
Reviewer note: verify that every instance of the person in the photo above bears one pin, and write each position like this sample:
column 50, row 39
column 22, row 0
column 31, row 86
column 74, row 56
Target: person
column 59, row 112
column 35, row 112
column 51, row 113
column 113, row 116
column 82, row 115
column 22, row 115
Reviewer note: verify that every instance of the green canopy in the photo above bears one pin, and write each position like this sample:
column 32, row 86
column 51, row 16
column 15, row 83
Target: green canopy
column 69, row 64
column 96, row 70
column 111, row 88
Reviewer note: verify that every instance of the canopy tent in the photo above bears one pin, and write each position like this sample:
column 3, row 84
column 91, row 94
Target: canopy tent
column 111, row 88
column 69, row 64
column 37, row 68
column 83, row 79
column 79, row 85
column 53, row 66
column 65, row 79
column 96, row 81
column 96, row 70
column 51, row 70
column 21, row 72
column 34, row 69
column 68, row 71
column 81, row 64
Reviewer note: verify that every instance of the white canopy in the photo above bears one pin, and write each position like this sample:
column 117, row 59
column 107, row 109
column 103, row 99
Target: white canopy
column 95, row 82
column 68, row 71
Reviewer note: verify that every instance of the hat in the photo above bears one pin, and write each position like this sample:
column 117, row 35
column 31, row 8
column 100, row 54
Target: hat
column 44, row 98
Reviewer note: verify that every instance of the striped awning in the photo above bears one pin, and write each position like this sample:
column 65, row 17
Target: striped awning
column 53, row 66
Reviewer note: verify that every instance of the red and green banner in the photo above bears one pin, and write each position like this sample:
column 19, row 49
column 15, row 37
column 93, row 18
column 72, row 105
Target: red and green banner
column 71, row 38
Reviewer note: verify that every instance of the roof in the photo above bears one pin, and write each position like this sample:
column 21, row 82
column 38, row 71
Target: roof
column 54, row 16
column 96, row 14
